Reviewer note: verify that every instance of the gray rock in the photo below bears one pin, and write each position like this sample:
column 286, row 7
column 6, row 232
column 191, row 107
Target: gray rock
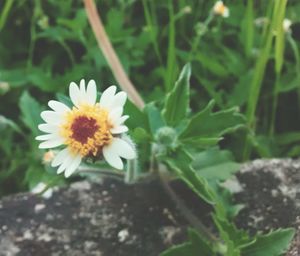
column 111, row 218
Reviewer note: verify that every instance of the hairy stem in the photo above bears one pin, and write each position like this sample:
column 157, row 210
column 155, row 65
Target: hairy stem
column 110, row 55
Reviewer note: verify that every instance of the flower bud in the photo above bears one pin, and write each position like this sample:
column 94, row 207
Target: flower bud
column 166, row 136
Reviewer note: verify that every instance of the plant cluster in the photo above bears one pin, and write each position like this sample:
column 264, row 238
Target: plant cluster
column 245, row 81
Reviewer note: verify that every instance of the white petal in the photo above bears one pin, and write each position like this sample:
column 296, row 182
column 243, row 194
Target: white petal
column 74, row 93
column 52, row 143
column 48, row 137
column 51, row 117
column 115, row 115
column 91, row 92
column 119, row 99
column 119, row 129
column 49, row 128
column 67, row 161
column 59, row 158
column 107, row 96
column 112, row 157
column 122, row 148
column 82, row 87
column 73, row 166
column 121, row 120
column 58, row 106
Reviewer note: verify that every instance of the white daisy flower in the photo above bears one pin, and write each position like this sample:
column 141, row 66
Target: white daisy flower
column 221, row 9
column 88, row 129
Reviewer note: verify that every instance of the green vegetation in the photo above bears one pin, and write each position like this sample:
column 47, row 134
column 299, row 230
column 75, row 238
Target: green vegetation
column 219, row 91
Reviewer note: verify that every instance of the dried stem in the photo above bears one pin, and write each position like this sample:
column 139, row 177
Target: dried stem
column 110, row 55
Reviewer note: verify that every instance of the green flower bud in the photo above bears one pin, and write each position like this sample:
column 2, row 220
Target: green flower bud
column 166, row 136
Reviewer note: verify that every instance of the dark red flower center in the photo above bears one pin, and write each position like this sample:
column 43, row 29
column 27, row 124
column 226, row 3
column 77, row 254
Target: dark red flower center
column 83, row 128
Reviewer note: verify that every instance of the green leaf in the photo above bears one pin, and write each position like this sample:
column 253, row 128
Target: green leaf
column 195, row 246
column 215, row 164
column 154, row 117
column 177, row 101
column 31, row 111
column 288, row 83
column 140, row 135
column 230, row 234
column 136, row 117
column 180, row 163
column 5, row 122
column 288, row 138
column 208, row 124
column 64, row 99
column 213, row 65
column 202, row 142
column 273, row 244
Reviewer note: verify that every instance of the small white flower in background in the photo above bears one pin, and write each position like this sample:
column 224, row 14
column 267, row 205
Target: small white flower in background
column 187, row 9
column 40, row 187
column 221, row 9
column 48, row 157
column 88, row 129
column 287, row 25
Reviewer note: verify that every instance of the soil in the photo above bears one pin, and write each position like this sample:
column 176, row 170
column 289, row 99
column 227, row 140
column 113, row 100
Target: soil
column 113, row 219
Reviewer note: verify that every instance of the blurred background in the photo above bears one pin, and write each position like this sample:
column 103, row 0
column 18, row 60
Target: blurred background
column 249, row 59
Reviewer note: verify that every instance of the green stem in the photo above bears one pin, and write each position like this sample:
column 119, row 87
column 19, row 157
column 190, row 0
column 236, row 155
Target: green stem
column 171, row 58
column 274, row 105
column 149, row 21
column 295, row 50
column 132, row 174
column 5, row 12
column 196, row 40
column 68, row 51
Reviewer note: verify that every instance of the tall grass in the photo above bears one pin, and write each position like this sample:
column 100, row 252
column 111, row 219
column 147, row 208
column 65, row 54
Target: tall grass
column 278, row 12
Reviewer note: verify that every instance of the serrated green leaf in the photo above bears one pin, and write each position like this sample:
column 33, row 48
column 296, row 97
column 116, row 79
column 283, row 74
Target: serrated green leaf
column 31, row 111
column 180, row 163
column 272, row 244
column 177, row 101
column 230, row 234
column 208, row 124
column 195, row 246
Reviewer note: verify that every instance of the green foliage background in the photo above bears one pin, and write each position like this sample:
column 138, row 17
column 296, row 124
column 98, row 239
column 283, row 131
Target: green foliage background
column 44, row 45
column 243, row 74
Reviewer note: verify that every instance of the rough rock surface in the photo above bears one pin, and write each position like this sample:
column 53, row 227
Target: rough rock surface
column 90, row 219
column 271, row 189
column 110, row 218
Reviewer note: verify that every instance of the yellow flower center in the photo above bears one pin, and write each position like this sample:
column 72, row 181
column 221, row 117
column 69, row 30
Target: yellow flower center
column 86, row 130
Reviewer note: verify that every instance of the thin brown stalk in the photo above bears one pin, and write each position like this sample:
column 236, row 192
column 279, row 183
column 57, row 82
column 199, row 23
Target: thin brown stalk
column 110, row 54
